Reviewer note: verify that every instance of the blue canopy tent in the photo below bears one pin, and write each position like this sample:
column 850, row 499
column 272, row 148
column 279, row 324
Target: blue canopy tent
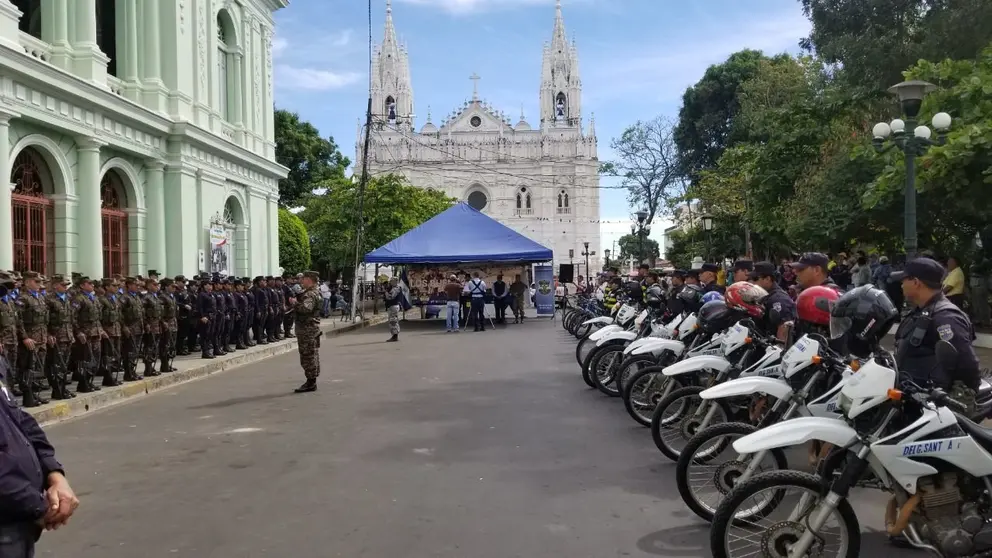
column 460, row 234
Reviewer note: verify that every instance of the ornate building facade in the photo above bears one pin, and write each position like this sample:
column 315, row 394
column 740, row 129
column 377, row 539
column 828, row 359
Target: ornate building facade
column 542, row 180
column 137, row 135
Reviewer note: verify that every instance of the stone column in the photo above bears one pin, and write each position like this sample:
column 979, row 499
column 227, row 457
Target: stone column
column 89, row 62
column 127, row 52
column 6, row 224
column 273, row 233
column 155, row 232
column 88, row 217
column 238, row 98
column 154, row 94
column 57, row 34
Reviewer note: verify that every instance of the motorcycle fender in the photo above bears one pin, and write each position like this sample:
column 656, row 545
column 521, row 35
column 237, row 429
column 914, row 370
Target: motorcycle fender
column 637, row 343
column 606, row 330
column 697, row 364
column 795, row 432
column 603, row 320
column 622, row 335
column 658, row 346
column 779, row 389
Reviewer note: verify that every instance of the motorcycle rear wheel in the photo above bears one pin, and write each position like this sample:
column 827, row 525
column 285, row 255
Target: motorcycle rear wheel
column 684, row 423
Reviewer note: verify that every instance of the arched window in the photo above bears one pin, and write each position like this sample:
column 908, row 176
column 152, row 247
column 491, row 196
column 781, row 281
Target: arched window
column 563, row 207
column 32, row 212
column 390, row 109
column 523, row 202
column 30, row 21
column 226, row 80
column 561, row 106
column 113, row 202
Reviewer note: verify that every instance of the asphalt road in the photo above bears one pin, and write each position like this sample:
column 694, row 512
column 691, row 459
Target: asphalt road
column 473, row 445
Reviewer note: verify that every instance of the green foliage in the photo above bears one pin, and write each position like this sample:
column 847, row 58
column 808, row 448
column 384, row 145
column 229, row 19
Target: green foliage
column 630, row 245
column 724, row 241
column 294, row 243
column 391, row 207
column 311, row 159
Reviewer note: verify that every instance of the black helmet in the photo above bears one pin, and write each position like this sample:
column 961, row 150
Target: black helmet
column 862, row 317
column 691, row 297
column 715, row 316
column 654, row 296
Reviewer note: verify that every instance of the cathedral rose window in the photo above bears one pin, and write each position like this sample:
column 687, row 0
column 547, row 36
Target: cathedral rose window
column 475, row 122
column 478, row 200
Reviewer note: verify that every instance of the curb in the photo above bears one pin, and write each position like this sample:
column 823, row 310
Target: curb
column 58, row 411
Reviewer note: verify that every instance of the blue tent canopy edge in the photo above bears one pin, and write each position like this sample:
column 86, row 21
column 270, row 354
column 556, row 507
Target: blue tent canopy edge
column 460, row 234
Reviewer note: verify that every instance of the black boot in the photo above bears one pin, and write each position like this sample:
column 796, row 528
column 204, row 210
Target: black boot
column 308, row 386
column 109, row 380
column 393, row 339
column 30, row 400
column 207, row 354
column 241, row 347
column 84, row 386
column 150, row 370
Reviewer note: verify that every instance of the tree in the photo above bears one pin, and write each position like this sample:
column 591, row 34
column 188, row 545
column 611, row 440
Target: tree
column 392, row 207
column 649, row 166
column 311, row 159
column 630, row 246
column 294, row 243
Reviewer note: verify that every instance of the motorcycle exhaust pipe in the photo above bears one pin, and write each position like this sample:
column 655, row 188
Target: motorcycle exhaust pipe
column 897, row 519
column 914, row 539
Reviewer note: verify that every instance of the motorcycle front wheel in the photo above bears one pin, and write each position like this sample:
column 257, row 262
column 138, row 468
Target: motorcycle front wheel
column 704, row 480
column 644, row 390
column 604, row 368
column 678, row 417
column 732, row 536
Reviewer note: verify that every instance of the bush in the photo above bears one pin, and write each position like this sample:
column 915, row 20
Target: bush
column 294, row 243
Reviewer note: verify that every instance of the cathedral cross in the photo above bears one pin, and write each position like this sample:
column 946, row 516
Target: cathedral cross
column 475, row 85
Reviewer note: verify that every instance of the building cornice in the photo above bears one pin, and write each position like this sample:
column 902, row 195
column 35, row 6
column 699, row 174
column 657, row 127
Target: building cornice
column 98, row 100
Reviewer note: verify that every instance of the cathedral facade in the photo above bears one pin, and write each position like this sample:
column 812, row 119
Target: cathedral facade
column 540, row 180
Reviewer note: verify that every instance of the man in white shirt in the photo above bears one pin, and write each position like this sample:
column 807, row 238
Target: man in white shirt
column 476, row 288
column 325, row 293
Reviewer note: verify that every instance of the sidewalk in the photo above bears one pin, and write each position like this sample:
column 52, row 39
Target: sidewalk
column 188, row 368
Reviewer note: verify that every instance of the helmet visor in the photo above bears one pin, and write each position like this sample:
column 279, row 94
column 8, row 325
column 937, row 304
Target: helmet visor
column 839, row 326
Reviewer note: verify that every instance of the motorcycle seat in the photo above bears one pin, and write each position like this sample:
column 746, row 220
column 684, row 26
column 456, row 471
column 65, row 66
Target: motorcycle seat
column 977, row 432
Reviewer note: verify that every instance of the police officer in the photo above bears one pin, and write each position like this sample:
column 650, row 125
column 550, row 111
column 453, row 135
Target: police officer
column 780, row 309
column 934, row 318
column 742, row 270
column 206, row 310
column 707, row 278
column 34, row 493
column 261, row 294
column 249, row 326
column 811, row 271
column 219, row 323
column 184, row 325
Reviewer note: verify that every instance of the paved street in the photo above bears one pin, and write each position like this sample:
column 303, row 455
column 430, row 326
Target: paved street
column 476, row 445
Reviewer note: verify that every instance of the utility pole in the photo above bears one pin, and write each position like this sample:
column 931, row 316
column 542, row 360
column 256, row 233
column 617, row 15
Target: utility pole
column 363, row 181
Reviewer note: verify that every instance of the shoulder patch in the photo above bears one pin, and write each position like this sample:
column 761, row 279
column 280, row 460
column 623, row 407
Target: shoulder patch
column 945, row 332
column 777, row 306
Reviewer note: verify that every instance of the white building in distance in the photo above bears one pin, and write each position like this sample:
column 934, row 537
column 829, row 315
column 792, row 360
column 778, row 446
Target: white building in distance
column 137, row 135
column 542, row 181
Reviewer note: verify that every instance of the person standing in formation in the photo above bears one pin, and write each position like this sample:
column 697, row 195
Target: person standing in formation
column 307, row 318
column 393, row 296
column 60, row 337
column 519, row 292
column 153, row 326
column 34, row 334
column 170, row 325
column 110, row 321
column 500, row 293
column 206, row 309
column 132, row 328
column 89, row 334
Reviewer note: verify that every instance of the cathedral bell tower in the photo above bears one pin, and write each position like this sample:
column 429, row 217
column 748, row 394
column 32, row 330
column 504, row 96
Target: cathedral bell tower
column 392, row 93
column 561, row 87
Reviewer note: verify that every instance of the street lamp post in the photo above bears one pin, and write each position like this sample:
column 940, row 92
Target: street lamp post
column 708, row 227
column 607, row 252
column 586, row 254
column 641, row 230
column 913, row 145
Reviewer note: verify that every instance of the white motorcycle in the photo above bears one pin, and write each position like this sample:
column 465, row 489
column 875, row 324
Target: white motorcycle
column 611, row 367
column 818, row 376
column 937, row 466
column 682, row 413
column 622, row 319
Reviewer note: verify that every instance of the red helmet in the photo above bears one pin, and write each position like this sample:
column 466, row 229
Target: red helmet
column 747, row 297
column 813, row 305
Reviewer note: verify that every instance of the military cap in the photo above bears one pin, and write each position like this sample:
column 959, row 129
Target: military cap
column 165, row 282
column 83, row 279
column 180, row 279
column 929, row 271
column 268, row 277
column 152, row 273
column 711, row 267
column 130, row 281
column 108, row 282
column 57, row 280
column 312, row 275
column 6, row 279
column 237, row 282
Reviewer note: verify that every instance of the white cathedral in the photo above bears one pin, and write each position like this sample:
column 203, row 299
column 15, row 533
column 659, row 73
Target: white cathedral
column 541, row 181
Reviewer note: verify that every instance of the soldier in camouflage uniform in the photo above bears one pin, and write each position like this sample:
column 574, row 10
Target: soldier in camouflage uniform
column 393, row 308
column 153, row 325
column 33, row 320
column 110, row 321
column 10, row 337
column 307, row 316
column 61, row 335
column 89, row 334
column 132, row 328
column 170, row 325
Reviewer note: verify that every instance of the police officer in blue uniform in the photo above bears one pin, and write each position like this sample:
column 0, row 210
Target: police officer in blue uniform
column 934, row 318
column 707, row 278
column 780, row 309
column 34, row 493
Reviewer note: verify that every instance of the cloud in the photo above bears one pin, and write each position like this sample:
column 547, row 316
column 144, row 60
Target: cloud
column 341, row 39
column 462, row 7
column 312, row 79
column 278, row 46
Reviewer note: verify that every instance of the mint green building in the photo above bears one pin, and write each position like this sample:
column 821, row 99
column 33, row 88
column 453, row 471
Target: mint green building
column 137, row 135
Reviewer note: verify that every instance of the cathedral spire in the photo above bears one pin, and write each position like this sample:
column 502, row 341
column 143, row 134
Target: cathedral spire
column 561, row 87
column 392, row 90
column 558, row 37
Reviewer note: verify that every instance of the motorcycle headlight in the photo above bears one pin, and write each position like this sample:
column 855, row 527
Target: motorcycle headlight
column 844, row 403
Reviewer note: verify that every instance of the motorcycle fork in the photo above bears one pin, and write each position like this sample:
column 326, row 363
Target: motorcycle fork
column 755, row 460
column 707, row 405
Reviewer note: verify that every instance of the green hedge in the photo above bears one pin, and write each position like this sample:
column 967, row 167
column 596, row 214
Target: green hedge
column 294, row 243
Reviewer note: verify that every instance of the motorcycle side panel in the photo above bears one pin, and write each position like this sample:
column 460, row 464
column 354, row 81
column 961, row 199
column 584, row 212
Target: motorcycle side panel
column 635, row 344
column 622, row 335
column 779, row 389
column 795, row 432
column 600, row 333
column 696, row 364
column 602, row 320
column 658, row 346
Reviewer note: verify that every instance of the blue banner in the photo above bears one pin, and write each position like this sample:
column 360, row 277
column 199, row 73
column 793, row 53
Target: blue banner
column 545, row 297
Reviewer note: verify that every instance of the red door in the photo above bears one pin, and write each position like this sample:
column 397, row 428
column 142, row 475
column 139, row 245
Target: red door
column 114, row 222
column 31, row 215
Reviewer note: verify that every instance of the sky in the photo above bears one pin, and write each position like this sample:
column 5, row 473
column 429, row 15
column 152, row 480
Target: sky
column 636, row 59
